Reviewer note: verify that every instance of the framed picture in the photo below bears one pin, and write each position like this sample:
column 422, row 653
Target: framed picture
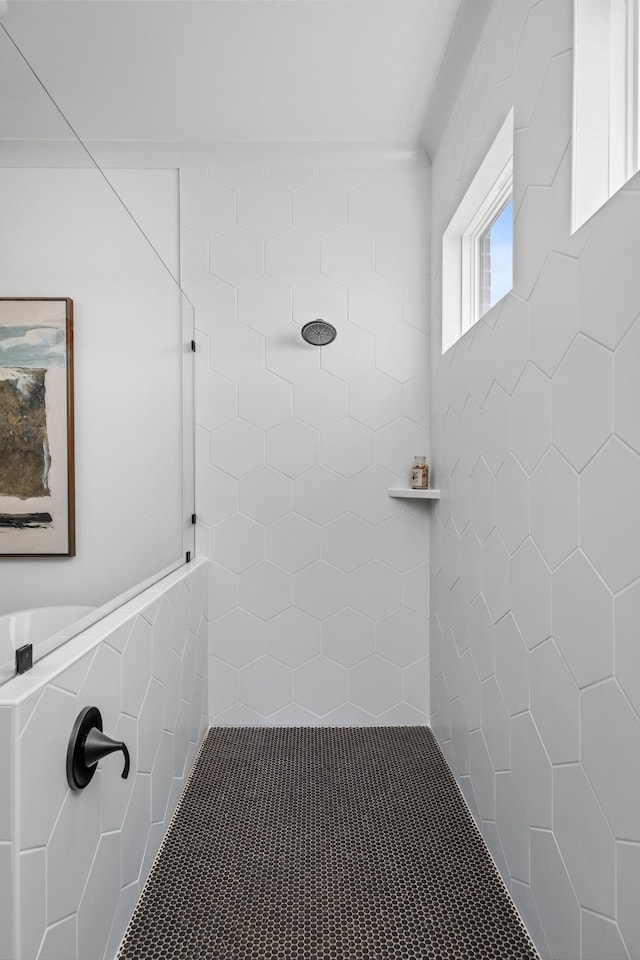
column 37, row 503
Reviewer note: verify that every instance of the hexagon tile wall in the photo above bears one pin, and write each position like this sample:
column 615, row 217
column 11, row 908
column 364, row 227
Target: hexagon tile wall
column 74, row 863
column 535, row 540
column 318, row 594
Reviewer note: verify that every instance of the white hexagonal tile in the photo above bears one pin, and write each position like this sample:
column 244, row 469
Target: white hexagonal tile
column 320, row 495
column 512, row 504
column 627, row 648
column 212, row 299
column 150, row 727
column 482, row 638
column 347, row 447
column 350, row 355
column 264, row 400
column 291, row 178
column 265, row 590
column 531, row 594
column 320, row 399
column 618, row 263
column 554, row 895
column 496, row 725
column 470, row 434
column 460, row 497
column 583, row 620
column 216, row 399
column 235, row 177
column 292, row 257
column 531, row 417
column 511, row 342
column 264, row 208
column 368, row 497
column 57, row 710
column 627, row 386
column 293, row 542
column 348, row 542
column 614, row 773
column 348, row 637
column 496, row 576
column 554, row 508
column 531, row 770
column 376, row 207
column 375, row 590
column 264, row 304
column 531, row 239
column 71, row 850
column 320, row 208
column 375, row 304
column 482, row 500
column 554, row 703
column 320, row 297
column 496, row 428
column 293, row 447
column 398, row 443
column 293, row 637
column 321, row 590
column 266, row 685
column 459, row 618
column 611, row 524
column 402, row 637
column 553, row 312
column 222, row 591
column 375, row 685
column 601, row 938
column 238, row 543
column 321, row 685
column 209, row 208
column 136, row 667
column 347, row 255
column 512, row 826
column 289, row 356
column 402, row 352
column 236, row 352
column 583, row 401
column 223, row 686
column 375, row 399
column 470, row 563
column 628, row 878
column 512, row 665
column 265, row 495
column 576, row 816
column 403, row 254
column 236, row 256
column 238, row 638
column 482, row 776
column 402, row 542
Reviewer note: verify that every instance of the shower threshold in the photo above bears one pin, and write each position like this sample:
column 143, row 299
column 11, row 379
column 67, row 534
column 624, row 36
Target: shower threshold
column 323, row 844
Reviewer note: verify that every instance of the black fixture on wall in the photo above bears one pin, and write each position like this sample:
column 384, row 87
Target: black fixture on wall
column 87, row 745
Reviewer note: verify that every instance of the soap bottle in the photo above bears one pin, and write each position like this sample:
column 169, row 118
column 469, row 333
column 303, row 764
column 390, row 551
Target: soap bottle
column 420, row 474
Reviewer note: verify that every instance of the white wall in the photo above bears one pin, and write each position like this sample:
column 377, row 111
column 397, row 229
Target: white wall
column 318, row 589
column 65, row 233
column 535, row 557
column 72, row 864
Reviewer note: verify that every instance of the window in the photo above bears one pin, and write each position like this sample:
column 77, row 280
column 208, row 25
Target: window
column 477, row 246
column 606, row 118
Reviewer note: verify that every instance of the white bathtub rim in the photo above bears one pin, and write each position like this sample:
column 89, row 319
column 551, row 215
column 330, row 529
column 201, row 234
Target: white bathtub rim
column 20, row 688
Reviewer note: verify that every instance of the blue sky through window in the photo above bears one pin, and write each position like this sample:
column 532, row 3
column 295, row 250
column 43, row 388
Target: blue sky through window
column 501, row 246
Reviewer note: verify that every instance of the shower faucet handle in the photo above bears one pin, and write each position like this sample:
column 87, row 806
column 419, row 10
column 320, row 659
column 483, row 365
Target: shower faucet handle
column 99, row 745
column 87, row 745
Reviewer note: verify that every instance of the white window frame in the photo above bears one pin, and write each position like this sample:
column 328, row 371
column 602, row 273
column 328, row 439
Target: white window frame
column 606, row 102
column 488, row 193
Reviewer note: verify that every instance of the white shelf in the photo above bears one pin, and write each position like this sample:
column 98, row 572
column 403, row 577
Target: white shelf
column 408, row 494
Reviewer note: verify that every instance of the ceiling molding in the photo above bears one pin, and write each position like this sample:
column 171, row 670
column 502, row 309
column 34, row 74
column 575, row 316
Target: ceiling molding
column 162, row 155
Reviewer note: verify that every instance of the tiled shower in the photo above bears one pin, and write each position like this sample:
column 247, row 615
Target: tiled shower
column 503, row 615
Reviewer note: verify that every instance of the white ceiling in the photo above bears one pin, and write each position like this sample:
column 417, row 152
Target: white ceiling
column 205, row 71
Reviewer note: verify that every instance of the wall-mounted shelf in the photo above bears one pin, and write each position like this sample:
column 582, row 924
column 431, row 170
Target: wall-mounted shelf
column 408, row 494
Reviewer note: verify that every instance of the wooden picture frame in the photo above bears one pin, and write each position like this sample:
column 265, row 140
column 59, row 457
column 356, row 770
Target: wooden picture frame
column 37, row 475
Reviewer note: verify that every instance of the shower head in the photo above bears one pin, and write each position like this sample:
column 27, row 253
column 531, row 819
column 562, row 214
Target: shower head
column 319, row 333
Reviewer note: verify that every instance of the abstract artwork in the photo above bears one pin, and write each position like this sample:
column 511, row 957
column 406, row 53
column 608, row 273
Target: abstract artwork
column 36, row 427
